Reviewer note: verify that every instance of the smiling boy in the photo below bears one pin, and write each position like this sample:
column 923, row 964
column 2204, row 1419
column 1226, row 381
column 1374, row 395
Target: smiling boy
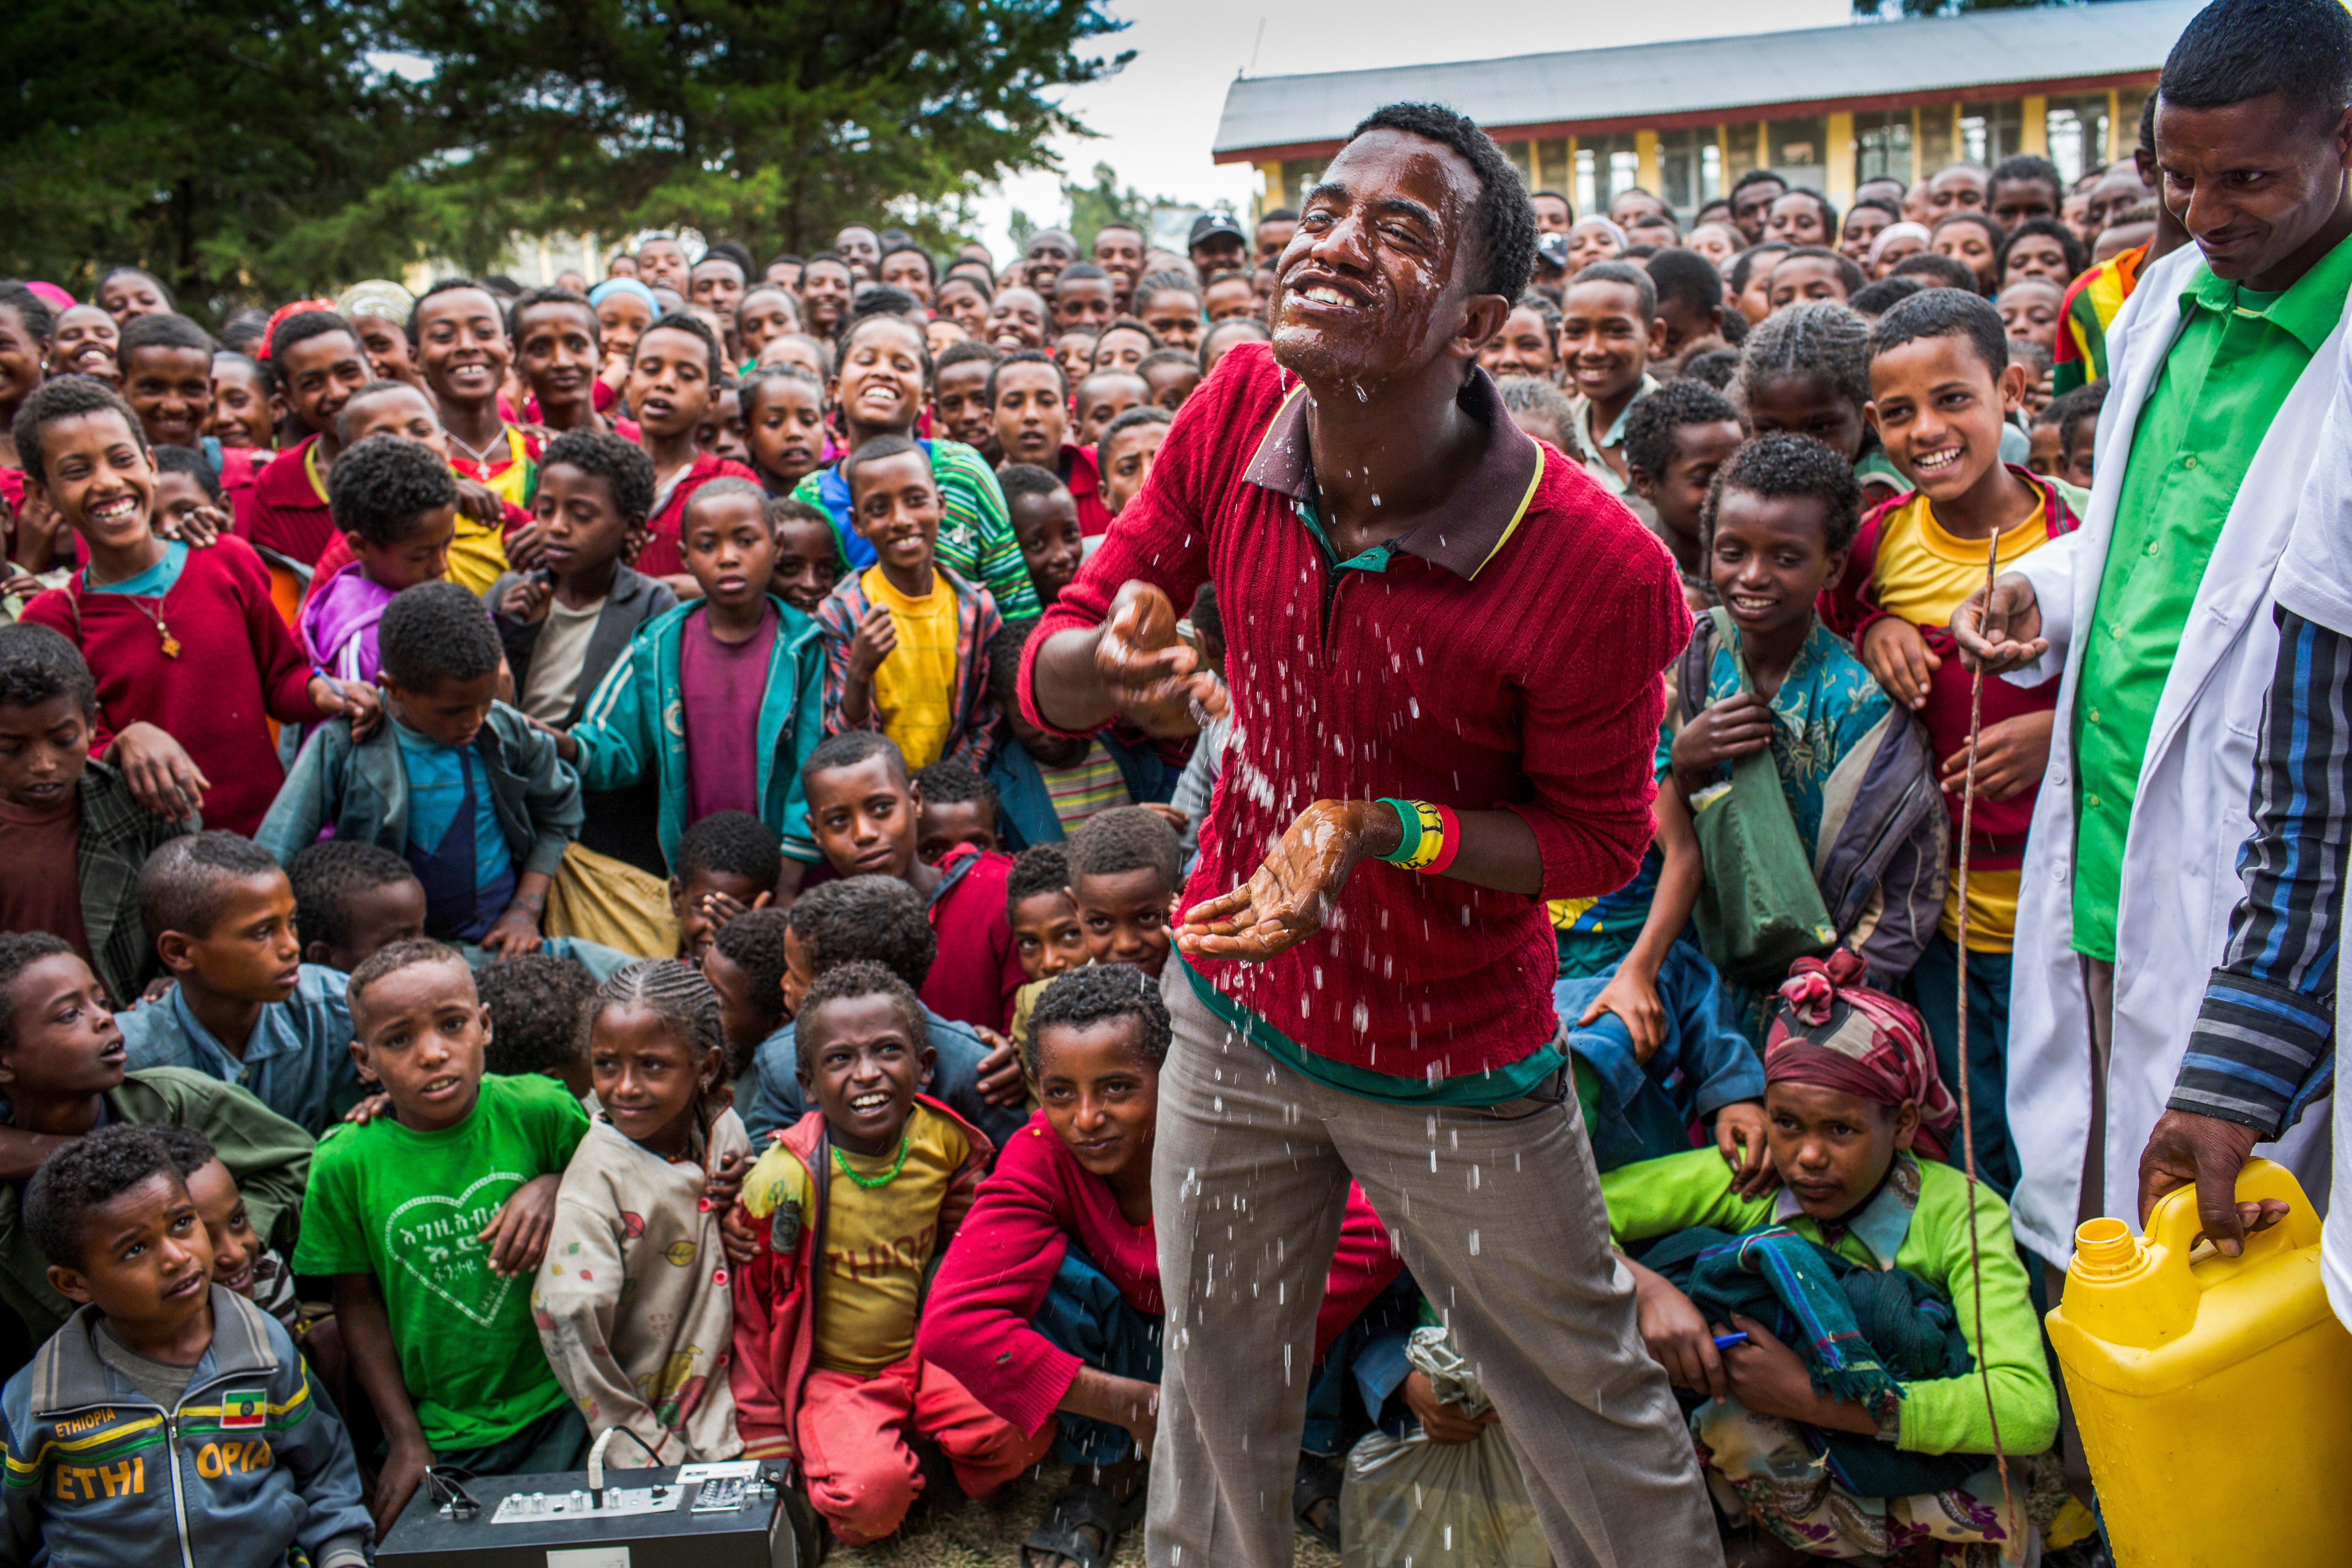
column 1942, row 388
column 458, row 331
column 1609, row 331
column 825, row 1315
column 318, row 361
column 167, row 377
column 906, row 639
column 191, row 654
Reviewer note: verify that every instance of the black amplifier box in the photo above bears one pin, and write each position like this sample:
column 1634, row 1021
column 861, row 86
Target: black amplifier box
column 646, row 1519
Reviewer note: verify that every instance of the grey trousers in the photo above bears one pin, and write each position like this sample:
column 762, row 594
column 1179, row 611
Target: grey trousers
column 1497, row 1213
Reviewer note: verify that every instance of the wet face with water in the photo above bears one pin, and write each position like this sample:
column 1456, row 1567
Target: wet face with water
column 1376, row 282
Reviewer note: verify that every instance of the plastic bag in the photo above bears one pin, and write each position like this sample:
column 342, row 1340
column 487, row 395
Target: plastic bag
column 1413, row 1503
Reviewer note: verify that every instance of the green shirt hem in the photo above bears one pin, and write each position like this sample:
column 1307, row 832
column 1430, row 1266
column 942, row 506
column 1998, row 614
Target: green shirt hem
column 1490, row 1087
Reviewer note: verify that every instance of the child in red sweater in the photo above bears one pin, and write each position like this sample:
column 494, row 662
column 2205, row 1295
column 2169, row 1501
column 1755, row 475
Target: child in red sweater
column 826, row 1364
column 672, row 388
column 191, row 656
column 863, row 812
column 1048, row 1298
column 320, row 362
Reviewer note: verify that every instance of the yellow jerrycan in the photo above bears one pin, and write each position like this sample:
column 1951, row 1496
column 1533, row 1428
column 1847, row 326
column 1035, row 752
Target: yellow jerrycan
column 2214, row 1393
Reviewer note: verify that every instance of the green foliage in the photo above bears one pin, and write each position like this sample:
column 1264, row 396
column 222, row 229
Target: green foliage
column 248, row 150
column 237, row 148
column 773, row 120
column 1092, row 206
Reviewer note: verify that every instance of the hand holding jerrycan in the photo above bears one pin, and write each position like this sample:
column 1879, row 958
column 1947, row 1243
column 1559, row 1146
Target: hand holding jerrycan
column 2214, row 1393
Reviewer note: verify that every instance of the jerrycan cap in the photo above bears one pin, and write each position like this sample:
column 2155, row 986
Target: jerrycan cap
column 2105, row 1248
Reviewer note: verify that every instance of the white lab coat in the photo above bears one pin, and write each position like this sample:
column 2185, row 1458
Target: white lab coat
column 2179, row 872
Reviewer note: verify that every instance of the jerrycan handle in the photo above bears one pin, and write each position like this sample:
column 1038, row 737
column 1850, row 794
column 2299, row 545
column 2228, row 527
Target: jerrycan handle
column 2175, row 1224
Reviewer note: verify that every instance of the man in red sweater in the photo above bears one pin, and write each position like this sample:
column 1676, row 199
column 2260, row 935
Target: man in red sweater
column 1444, row 644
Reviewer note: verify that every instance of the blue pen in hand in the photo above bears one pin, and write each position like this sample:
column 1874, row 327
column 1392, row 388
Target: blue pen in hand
column 1725, row 1342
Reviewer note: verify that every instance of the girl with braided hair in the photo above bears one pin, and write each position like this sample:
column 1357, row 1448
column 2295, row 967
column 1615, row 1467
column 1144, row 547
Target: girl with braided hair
column 632, row 1302
column 1805, row 371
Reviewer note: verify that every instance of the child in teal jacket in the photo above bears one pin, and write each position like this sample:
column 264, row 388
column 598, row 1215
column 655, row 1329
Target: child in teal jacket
column 640, row 722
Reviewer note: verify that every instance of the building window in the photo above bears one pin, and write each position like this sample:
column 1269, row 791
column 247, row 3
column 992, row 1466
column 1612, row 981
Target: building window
column 1605, row 165
column 1798, row 150
column 1550, row 166
column 1744, row 146
column 1299, row 176
column 2078, row 134
column 2125, row 139
column 1991, row 132
column 1690, row 167
column 1882, row 146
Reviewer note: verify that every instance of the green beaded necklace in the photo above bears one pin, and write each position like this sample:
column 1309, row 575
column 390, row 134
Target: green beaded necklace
column 883, row 1180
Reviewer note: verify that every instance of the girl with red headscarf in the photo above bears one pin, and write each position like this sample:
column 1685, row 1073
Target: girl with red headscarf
column 1852, row 1104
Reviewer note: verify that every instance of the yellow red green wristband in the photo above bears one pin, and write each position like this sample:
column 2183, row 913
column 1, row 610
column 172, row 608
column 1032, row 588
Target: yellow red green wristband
column 1449, row 841
column 1427, row 836
column 1408, row 814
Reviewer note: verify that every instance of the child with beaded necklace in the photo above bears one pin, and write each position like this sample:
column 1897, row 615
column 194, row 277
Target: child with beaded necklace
column 825, row 1312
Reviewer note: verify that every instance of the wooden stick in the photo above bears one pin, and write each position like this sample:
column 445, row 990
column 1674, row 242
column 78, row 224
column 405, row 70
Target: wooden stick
column 1967, row 1117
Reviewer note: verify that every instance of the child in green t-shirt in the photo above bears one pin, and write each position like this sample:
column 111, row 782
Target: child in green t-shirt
column 432, row 1218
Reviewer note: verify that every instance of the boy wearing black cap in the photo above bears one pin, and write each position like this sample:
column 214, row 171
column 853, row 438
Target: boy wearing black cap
column 1216, row 244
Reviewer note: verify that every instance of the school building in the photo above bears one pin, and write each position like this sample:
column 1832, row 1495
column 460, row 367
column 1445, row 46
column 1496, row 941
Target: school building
column 1825, row 108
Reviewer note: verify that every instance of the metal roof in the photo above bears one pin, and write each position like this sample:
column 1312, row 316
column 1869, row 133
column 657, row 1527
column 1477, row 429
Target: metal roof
column 1651, row 83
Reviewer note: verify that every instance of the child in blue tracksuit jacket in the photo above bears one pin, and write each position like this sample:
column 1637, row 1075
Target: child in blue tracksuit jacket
column 171, row 1419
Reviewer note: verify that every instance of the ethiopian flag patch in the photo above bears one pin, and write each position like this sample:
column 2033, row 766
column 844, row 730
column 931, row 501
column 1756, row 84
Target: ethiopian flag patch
column 244, row 1408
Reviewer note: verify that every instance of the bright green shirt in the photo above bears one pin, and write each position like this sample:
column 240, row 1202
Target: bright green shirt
column 2236, row 359
column 407, row 1207
column 1921, row 1214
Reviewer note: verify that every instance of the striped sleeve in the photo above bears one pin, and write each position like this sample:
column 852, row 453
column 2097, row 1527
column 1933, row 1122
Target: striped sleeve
column 970, row 495
column 2264, row 1047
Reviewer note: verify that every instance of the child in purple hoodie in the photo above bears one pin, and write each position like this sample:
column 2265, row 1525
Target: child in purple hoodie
column 396, row 502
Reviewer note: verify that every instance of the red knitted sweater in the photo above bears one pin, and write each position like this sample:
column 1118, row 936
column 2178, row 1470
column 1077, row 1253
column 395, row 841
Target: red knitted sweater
column 1037, row 1203
column 1505, row 657
column 238, row 666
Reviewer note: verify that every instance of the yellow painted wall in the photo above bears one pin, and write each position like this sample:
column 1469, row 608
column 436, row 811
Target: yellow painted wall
column 1840, row 152
column 1645, row 150
column 2034, row 135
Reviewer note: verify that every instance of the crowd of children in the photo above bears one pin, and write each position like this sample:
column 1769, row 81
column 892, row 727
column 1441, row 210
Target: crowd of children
column 524, row 848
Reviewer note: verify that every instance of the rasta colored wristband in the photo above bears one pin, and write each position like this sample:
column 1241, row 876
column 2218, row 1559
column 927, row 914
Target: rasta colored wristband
column 1427, row 836
column 1450, row 829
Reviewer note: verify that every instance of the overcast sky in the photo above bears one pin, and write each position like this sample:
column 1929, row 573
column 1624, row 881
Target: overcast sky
column 1157, row 118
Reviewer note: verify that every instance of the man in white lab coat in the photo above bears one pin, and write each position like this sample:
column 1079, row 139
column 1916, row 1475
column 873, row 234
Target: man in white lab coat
column 2159, row 609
